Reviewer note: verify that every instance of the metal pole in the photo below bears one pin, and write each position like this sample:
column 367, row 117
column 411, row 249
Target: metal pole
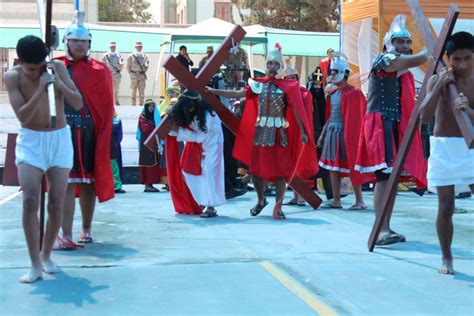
column 76, row 5
column 340, row 25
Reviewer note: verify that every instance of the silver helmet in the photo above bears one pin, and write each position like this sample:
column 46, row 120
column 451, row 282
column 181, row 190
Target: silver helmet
column 339, row 67
column 77, row 31
column 397, row 30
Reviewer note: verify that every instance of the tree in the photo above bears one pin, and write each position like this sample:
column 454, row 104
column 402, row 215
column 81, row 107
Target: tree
column 302, row 15
column 132, row 11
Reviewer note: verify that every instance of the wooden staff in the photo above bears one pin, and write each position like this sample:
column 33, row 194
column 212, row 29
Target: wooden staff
column 45, row 26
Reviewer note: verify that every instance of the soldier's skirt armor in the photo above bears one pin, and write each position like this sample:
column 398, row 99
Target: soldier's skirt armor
column 333, row 156
column 83, row 140
column 271, row 138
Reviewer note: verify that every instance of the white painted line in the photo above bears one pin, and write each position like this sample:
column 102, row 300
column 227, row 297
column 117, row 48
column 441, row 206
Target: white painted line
column 9, row 198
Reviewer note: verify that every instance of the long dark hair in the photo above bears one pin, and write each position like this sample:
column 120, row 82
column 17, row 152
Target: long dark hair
column 191, row 105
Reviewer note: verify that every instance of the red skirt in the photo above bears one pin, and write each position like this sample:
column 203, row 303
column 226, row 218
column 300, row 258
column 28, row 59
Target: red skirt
column 371, row 155
column 151, row 175
column 371, row 152
column 270, row 162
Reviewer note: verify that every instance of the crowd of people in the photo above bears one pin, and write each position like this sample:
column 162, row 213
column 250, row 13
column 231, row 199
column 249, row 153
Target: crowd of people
column 327, row 129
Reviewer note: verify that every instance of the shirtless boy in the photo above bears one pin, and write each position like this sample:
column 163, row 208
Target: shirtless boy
column 40, row 149
column 451, row 162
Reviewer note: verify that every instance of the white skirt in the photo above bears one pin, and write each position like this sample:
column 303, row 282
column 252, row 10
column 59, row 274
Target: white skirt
column 450, row 163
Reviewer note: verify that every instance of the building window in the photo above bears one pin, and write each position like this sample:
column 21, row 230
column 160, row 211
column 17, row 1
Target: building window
column 223, row 11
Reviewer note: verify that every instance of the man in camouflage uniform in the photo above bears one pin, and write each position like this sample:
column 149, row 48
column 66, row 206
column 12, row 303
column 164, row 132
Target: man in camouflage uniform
column 137, row 66
column 235, row 65
column 114, row 62
column 209, row 51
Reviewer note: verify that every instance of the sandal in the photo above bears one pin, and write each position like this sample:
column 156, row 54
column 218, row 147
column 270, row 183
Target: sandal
column 85, row 238
column 279, row 215
column 330, row 205
column 208, row 214
column 291, row 202
column 357, row 207
column 390, row 239
column 254, row 211
column 65, row 244
column 151, row 189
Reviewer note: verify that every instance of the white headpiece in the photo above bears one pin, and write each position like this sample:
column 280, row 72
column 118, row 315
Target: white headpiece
column 340, row 66
column 397, row 30
column 291, row 71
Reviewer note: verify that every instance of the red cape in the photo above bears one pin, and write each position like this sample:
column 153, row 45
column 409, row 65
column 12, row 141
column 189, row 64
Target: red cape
column 324, row 65
column 296, row 100
column 353, row 108
column 94, row 81
column 415, row 163
column 183, row 200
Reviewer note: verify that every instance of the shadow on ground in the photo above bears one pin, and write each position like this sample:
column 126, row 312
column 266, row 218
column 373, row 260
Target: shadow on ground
column 64, row 289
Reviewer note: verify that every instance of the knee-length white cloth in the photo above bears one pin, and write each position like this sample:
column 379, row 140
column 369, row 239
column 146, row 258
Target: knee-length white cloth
column 207, row 188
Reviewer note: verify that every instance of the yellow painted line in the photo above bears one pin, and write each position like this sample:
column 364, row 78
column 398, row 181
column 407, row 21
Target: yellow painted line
column 9, row 198
column 301, row 292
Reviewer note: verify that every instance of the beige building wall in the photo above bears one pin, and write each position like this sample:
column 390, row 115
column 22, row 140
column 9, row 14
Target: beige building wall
column 25, row 12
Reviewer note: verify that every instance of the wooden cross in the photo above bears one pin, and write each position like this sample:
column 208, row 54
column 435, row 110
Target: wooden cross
column 437, row 51
column 199, row 83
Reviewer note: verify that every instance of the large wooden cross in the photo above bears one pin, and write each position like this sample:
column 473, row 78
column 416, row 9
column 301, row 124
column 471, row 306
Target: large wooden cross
column 45, row 18
column 199, row 83
column 437, row 50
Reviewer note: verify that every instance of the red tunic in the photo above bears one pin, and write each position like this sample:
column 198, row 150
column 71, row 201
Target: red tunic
column 94, row 81
column 371, row 152
column 295, row 159
column 353, row 108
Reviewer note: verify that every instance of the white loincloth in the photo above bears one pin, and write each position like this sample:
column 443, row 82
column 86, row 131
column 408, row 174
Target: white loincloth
column 450, row 163
column 45, row 149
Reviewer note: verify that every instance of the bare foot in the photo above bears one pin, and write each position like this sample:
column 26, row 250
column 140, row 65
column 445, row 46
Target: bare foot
column 33, row 275
column 49, row 266
column 446, row 266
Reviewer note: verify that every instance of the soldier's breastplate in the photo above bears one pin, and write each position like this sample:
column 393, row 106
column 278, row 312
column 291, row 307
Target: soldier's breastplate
column 384, row 96
column 271, row 117
column 336, row 115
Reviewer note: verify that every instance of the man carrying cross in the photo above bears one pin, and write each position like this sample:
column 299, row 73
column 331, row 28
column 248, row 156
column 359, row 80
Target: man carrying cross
column 274, row 132
column 390, row 103
column 451, row 162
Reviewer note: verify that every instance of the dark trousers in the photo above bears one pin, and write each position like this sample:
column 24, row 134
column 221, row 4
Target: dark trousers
column 230, row 164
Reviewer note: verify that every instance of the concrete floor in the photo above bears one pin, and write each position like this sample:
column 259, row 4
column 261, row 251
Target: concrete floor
column 148, row 260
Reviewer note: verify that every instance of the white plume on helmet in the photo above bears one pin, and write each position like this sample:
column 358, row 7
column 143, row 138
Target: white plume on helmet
column 76, row 31
column 340, row 66
column 291, row 71
column 397, row 30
